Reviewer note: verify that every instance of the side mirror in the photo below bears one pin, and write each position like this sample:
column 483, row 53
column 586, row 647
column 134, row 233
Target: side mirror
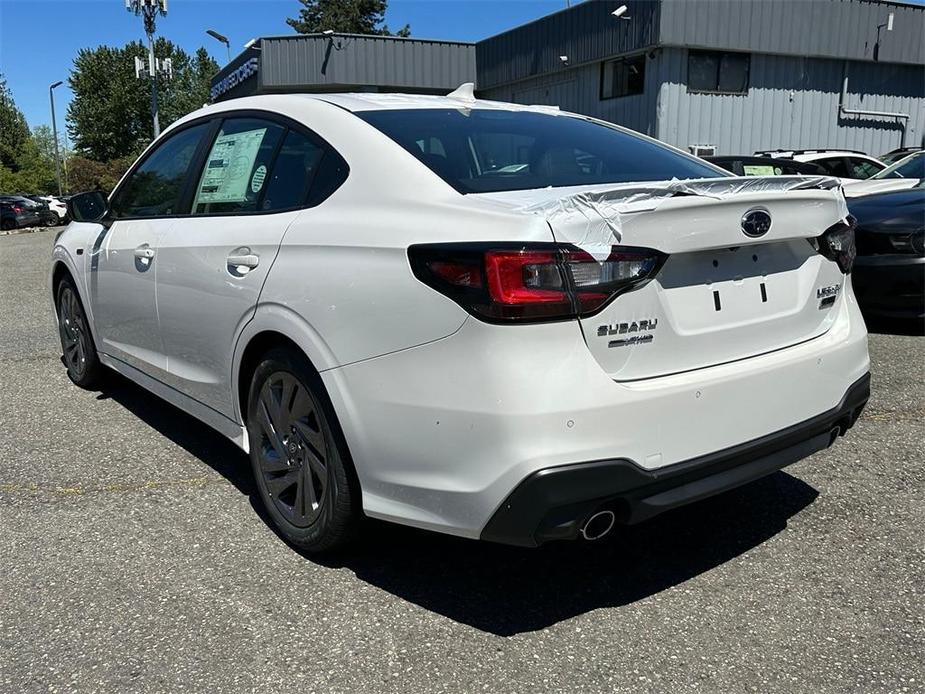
column 88, row 207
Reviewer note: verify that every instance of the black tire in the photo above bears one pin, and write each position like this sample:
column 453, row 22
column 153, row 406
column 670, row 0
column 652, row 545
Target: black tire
column 8, row 224
column 78, row 351
column 54, row 219
column 298, row 455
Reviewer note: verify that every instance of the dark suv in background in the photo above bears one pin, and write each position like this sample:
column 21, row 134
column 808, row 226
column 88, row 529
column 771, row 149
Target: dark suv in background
column 15, row 213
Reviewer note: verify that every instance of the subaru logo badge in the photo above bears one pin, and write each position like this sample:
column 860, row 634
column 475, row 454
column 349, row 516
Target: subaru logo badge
column 756, row 222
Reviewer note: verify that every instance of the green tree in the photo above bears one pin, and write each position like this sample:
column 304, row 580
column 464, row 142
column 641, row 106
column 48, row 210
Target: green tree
column 109, row 116
column 14, row 132
column 344, row 16
column 33, row 170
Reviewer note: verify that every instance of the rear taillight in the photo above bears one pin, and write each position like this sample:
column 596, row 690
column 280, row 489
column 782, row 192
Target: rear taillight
column 17, row 209
column 837, row 243
column 505, row 283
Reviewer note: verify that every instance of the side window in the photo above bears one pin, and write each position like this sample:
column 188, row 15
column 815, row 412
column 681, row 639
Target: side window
column 712, row 71
column 861, row 168
column 835, row 166
column 154, row 189
column 623, row 77
column 236, row 170
column 296, row 167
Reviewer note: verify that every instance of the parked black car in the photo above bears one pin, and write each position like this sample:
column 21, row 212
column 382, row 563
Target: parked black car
column 47, row 216
column 895, row 155
column 38, row 212
column 889, row 273
column 15, row 215
column 766, row 166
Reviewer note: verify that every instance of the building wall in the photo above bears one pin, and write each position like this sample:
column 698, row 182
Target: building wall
column 792, row 102
column 578, row 90
column 320, row 63
column 817, row 28
column 585, row 33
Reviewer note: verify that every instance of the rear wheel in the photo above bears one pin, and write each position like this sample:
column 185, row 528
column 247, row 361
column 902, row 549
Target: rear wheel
column 78, row 351
column 8, row 224
column 298, row 455
column 54, row 219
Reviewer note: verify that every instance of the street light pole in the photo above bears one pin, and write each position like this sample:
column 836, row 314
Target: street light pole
column 149, row 9
column 222, row 39
column 54, row 133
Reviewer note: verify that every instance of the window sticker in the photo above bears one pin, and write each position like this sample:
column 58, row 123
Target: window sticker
column 258, row 178
column 758, row 170
column 228, row 168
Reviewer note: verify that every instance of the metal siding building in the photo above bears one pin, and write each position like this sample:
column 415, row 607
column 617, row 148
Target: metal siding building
column 349, row 62
column 800, row 52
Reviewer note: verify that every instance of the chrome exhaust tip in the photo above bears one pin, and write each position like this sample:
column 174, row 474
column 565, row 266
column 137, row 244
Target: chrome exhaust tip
column 597, row 525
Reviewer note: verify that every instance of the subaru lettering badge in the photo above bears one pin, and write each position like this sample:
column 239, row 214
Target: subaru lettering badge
column 756, row 222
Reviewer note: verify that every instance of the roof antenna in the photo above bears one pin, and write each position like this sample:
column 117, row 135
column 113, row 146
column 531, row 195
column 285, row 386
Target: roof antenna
column 464, row 92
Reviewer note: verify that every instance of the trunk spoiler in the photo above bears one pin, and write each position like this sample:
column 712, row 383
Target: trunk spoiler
column 597, row 219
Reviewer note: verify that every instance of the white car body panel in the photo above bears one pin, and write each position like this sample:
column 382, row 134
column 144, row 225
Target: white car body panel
column 445, row 414
column 434, row 451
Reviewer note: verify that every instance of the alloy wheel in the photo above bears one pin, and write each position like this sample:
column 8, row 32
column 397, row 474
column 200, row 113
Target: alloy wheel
column 73, row 329
column 291, row 450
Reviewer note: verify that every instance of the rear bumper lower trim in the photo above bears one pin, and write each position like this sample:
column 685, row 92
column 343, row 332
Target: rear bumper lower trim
column 552, row 503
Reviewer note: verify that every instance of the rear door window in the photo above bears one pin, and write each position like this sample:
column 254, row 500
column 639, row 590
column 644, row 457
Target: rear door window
column 236, row 169
column 293, row 172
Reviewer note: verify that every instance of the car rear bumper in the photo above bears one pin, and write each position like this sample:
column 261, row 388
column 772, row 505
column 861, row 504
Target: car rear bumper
column 552, row 504
column 441, row 434
column 890, row 286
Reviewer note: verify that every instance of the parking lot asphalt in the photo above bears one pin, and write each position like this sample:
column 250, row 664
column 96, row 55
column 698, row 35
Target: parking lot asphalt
column 132, row 559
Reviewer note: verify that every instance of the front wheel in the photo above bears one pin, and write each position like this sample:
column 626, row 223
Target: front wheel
column 54, row 219
column 78, row 351
column 299, row 459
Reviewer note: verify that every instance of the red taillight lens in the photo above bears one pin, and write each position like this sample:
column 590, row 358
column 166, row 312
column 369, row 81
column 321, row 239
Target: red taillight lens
column 537, row 282
column 524, row 277
column 17, row 208
column 837, row 243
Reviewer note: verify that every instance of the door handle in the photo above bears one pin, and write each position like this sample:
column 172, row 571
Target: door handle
column 144, row 251
column 241, row 261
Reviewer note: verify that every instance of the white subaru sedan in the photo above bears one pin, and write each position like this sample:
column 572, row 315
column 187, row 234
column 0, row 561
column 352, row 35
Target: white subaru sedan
column 497, row 321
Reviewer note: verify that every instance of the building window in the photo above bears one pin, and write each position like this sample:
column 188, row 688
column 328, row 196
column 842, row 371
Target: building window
column 711, row 71
column 623, row 77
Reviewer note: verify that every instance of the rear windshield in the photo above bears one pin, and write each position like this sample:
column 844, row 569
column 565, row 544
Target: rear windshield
column 484, row 150
column 908, row 167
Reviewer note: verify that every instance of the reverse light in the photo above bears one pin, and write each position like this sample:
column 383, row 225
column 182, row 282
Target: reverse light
column 504, row 283
column 837, row 243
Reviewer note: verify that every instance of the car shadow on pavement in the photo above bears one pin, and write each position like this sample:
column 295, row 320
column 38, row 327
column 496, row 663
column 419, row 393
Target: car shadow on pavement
column 189, row 433
column 510, row 590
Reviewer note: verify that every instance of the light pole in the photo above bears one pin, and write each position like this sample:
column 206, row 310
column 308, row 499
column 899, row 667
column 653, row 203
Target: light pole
column 149, row 10
column 54, row 133
column 221, row 38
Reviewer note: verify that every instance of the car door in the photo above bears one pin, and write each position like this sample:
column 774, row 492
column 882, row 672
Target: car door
column 124, row 256
column 212, row 264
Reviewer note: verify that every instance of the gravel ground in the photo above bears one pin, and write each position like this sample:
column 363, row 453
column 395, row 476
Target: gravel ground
column 132, row 559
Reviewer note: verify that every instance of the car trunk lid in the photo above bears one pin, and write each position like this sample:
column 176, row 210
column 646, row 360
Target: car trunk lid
column 721, row 295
